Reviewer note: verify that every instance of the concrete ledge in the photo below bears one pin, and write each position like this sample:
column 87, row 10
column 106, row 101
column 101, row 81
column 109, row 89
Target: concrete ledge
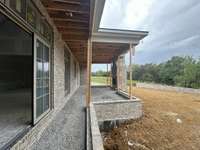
column 124, row 94
column 115, row 101
column 118, row 110
column 88, row 130
column 97, row 143
column 104, row 115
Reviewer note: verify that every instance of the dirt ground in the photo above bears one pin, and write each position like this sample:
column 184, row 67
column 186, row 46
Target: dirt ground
column 171, row 121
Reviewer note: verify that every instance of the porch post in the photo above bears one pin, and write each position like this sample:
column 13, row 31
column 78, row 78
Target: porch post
column 117, row 64
column 130, row 69
column 107, row 76
column 88, row 84
column 110, row 75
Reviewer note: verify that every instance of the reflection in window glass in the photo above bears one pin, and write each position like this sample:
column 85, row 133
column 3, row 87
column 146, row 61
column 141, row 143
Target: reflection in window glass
column 31, row 15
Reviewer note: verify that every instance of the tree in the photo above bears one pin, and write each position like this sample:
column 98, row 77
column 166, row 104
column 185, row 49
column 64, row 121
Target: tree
column 169, row 70
column 178, row 71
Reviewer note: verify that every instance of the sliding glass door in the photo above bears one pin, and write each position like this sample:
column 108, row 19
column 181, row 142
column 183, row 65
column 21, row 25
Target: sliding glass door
column 42, row 79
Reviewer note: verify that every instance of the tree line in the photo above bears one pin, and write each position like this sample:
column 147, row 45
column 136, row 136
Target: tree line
column 178, row 71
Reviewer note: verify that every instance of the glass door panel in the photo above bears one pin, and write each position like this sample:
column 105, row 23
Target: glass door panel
column 42, row 79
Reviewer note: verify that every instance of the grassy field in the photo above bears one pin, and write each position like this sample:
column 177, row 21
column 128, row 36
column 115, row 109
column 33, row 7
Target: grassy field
column 103, row 80
column 171, row 121
column 97, row 80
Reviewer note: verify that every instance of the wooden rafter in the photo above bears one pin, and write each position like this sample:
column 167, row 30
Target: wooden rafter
column 71, row 18
column 69, row 24
column 64, row 16
column 67, row 2
column 64, row 7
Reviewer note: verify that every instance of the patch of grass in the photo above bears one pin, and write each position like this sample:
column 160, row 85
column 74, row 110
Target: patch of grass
column 103, row 80
column 99, row 80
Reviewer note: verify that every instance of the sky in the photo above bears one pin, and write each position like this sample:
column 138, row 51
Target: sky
column 174, row 27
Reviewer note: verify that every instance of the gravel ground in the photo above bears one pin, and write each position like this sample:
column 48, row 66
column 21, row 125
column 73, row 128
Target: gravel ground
column 67, row 130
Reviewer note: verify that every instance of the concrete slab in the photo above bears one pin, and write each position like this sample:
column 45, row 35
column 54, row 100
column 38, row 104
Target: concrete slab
column 67, row 130
column 105, row 94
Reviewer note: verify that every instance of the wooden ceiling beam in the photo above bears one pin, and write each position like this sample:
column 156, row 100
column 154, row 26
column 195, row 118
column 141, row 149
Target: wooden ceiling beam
column 62, row 28
column 68, row 2
column 76, row 49
column 61, row 16
column 68, row 8
column 74, row 38
column 74, row 32
column 70, row 20
column 70, row 24
column 78, row 43
column 71, row 31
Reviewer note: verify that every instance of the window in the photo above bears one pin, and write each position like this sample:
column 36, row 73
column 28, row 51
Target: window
column 75, row 69
column 19, row 6
column 67, row 71
column 27, row 10
column 31, row 15
column 16, row 76
column 42, row 78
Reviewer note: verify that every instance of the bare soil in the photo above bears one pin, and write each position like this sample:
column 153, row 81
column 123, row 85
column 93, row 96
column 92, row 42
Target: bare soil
column 171, row 121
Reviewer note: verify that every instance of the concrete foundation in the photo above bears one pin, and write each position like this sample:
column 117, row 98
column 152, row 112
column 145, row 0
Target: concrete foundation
column 109, row 110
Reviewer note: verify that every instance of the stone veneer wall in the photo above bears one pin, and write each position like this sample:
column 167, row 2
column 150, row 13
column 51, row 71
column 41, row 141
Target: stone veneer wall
column 58, row 91
column 106, row 113
column 168, row 88
column 118, row 110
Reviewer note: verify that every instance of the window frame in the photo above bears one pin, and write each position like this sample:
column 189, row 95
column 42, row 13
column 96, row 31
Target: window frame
column 67, row 64
column 35, row 118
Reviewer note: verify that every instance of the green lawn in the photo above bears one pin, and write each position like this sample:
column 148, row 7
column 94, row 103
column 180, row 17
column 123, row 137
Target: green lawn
column 103, row 80
column 99, row 80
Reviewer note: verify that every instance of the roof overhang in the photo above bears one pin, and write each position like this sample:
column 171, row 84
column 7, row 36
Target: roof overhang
column 79, row 20
column 119, row 39
column 118, row 36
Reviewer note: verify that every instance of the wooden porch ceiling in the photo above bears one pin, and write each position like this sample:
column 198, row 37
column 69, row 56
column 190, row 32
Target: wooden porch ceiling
column 105, row 52
column 71, row 18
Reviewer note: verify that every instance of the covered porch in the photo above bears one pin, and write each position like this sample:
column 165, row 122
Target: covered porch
column 77, row 43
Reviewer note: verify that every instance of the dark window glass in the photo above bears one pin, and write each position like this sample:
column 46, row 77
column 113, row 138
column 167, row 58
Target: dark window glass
column 67, row 71
column 16, row 76
column 74, row 69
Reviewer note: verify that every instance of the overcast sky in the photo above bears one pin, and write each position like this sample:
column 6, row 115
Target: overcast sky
column 174, row 26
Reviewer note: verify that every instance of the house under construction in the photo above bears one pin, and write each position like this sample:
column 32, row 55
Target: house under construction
column 46, row 51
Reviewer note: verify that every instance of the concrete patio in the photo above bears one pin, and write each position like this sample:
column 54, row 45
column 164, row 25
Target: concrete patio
column 67, row 130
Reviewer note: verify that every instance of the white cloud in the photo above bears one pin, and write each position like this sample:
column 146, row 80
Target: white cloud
column 173, row 26
column 136, row 13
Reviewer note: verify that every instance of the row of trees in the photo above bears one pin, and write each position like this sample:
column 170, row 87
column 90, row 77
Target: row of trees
column 178, row 71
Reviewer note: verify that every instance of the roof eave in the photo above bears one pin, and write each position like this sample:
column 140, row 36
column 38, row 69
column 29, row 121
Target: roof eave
column 112, row 35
